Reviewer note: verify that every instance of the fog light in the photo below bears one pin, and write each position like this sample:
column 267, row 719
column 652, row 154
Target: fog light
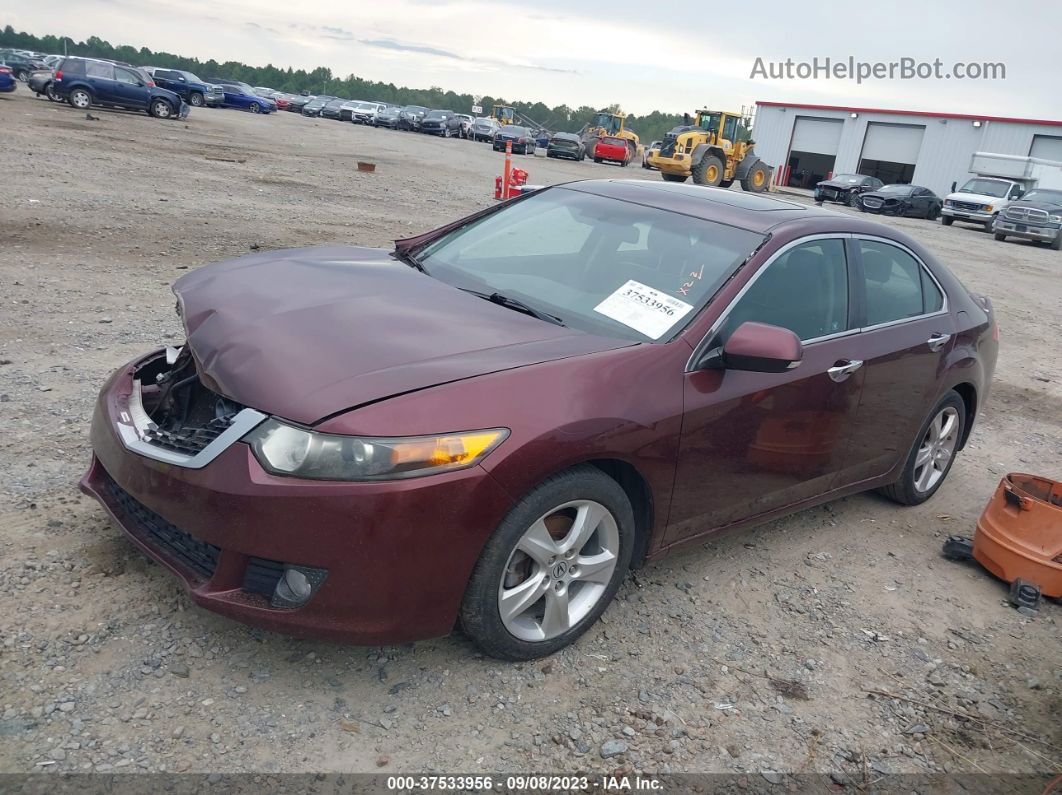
column 296, row 586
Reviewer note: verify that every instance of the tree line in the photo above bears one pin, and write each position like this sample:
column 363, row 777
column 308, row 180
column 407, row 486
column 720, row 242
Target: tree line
column 321, row 80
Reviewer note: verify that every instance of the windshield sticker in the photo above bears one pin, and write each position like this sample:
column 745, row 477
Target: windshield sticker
column 695, row 276
column 644, row 309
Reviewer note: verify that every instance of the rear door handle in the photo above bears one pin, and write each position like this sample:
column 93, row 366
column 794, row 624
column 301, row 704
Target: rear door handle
column 844, row 368
column 936, row 341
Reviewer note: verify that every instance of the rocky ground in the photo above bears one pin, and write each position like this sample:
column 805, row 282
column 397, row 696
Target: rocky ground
column 836, row 642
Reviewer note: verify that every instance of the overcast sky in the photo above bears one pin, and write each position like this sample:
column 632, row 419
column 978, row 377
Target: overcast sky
column 672, row 56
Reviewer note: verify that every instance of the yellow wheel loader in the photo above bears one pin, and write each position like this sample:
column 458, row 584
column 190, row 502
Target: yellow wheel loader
column 715, row 150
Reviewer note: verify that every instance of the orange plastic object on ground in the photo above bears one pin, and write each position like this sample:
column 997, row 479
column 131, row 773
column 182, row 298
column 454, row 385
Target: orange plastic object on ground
column 1019, row 535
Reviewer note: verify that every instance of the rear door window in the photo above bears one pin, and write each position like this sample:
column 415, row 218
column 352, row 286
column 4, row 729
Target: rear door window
column 101, row 70
column 896, row 286
column 73, row 66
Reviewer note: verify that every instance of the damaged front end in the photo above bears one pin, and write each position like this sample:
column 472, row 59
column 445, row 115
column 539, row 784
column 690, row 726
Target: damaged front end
column 172, row 416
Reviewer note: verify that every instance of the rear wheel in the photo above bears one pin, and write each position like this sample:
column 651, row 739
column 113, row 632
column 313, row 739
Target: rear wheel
column 934, row 212
column 160, row 109
column 597, row 159
column 80, row 99
column 196, row 100
column 709, row 171
column 51, row 93
column 22, row 75
column 947, row 220
column 552, row 566
column 933, row 453
column 756, row 178
column 672, row 177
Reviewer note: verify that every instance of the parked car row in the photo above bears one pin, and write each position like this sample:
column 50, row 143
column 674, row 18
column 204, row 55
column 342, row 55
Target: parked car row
column 1003, row 206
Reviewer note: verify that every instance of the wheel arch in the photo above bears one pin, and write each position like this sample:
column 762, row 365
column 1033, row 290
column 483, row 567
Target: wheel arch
column 968, row 393
column 639, row 493
column 701, row 151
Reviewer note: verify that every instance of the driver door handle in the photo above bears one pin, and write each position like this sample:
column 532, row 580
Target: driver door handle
column 936, row 341
column 844, row 368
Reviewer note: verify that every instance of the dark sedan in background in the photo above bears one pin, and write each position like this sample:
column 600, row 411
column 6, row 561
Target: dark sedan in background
column 568, row 146
column 299, row 101
column 484, row 129
column 333, row 109
column 316, row 105
column 905, row 200
column 520, row 137
column 845, row 188
column 409, row 117
column 387, row 117
column 531, row 419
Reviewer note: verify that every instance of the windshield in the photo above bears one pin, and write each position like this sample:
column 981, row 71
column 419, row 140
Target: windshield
column 986, row 187
column 851, row 179
column 1042, row 195
column 191, row 78
column 435, row 114
column 601, row 265
column 899, row 190
column 514, row 129
column 710, row 122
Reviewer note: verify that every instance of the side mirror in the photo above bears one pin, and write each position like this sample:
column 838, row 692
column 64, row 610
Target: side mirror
column 757, row 348
column 953, row 186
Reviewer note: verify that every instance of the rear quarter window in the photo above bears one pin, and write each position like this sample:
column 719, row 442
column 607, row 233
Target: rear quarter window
column 101, row 70
column 73, row 66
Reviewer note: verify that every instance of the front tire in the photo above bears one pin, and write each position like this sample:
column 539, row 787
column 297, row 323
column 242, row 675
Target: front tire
column 946, row 220
column 552, row 566
column 673, row 177
column 853, row 200
column 934, row 213
column 1056, row 244
column 999, row 236
column 932, row 454
column 756, row 179
column 709, row 171
column 255, row 108
column 80, row 99
column 160, row 109
column 196, row 100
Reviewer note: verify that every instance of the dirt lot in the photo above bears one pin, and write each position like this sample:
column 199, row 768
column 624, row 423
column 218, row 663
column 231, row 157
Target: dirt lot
column 106, row 666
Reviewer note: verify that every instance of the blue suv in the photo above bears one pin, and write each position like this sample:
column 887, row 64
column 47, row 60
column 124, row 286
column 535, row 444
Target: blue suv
column 84, row 82
column 191, row 89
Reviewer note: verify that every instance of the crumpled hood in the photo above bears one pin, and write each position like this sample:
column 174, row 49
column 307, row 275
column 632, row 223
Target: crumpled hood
column 307, row 333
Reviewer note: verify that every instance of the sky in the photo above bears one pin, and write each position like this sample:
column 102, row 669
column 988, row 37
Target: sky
column 675, row 56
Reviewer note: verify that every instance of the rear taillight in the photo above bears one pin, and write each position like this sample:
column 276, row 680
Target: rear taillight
column 59, row 75
column 995, row 330
column 150, row 84
column 4, row 70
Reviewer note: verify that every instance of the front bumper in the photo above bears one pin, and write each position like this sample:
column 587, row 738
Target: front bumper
column 1026, row 231
column 398, row 554
column 966, row 215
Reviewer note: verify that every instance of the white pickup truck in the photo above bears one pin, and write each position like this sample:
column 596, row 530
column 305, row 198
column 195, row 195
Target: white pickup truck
column 1000, row 180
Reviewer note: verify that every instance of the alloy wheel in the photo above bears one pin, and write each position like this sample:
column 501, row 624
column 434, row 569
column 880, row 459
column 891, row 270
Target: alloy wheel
column 559, row 570
column 197, row 100
column 937, row 449
column 80, row 99
column 161, row 109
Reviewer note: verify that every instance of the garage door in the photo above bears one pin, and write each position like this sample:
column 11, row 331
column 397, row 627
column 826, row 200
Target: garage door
column 893, row 143
column 1048, row 147
column 820, row 136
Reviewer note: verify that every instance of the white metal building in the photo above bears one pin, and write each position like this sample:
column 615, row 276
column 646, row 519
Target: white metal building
column 808, row 143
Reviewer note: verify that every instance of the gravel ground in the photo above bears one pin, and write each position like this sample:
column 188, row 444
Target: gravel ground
column 753, row 654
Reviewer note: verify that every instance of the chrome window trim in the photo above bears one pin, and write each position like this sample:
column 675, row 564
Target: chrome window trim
column 133, row 424
column 698, row 349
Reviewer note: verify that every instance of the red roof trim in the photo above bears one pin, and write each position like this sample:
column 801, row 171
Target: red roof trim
column 1009, row 120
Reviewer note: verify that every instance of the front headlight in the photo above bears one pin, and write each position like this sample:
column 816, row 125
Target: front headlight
column 1055, row 219
column 948, row 202
column 288, row 450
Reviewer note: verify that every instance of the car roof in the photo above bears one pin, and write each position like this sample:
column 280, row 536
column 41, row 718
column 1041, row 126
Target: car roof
column 755, row 212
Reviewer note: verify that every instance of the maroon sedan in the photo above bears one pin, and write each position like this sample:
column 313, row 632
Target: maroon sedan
column 490, row 425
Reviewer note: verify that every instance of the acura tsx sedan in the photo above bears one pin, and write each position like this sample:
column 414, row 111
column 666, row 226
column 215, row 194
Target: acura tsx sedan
column 487, row 426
